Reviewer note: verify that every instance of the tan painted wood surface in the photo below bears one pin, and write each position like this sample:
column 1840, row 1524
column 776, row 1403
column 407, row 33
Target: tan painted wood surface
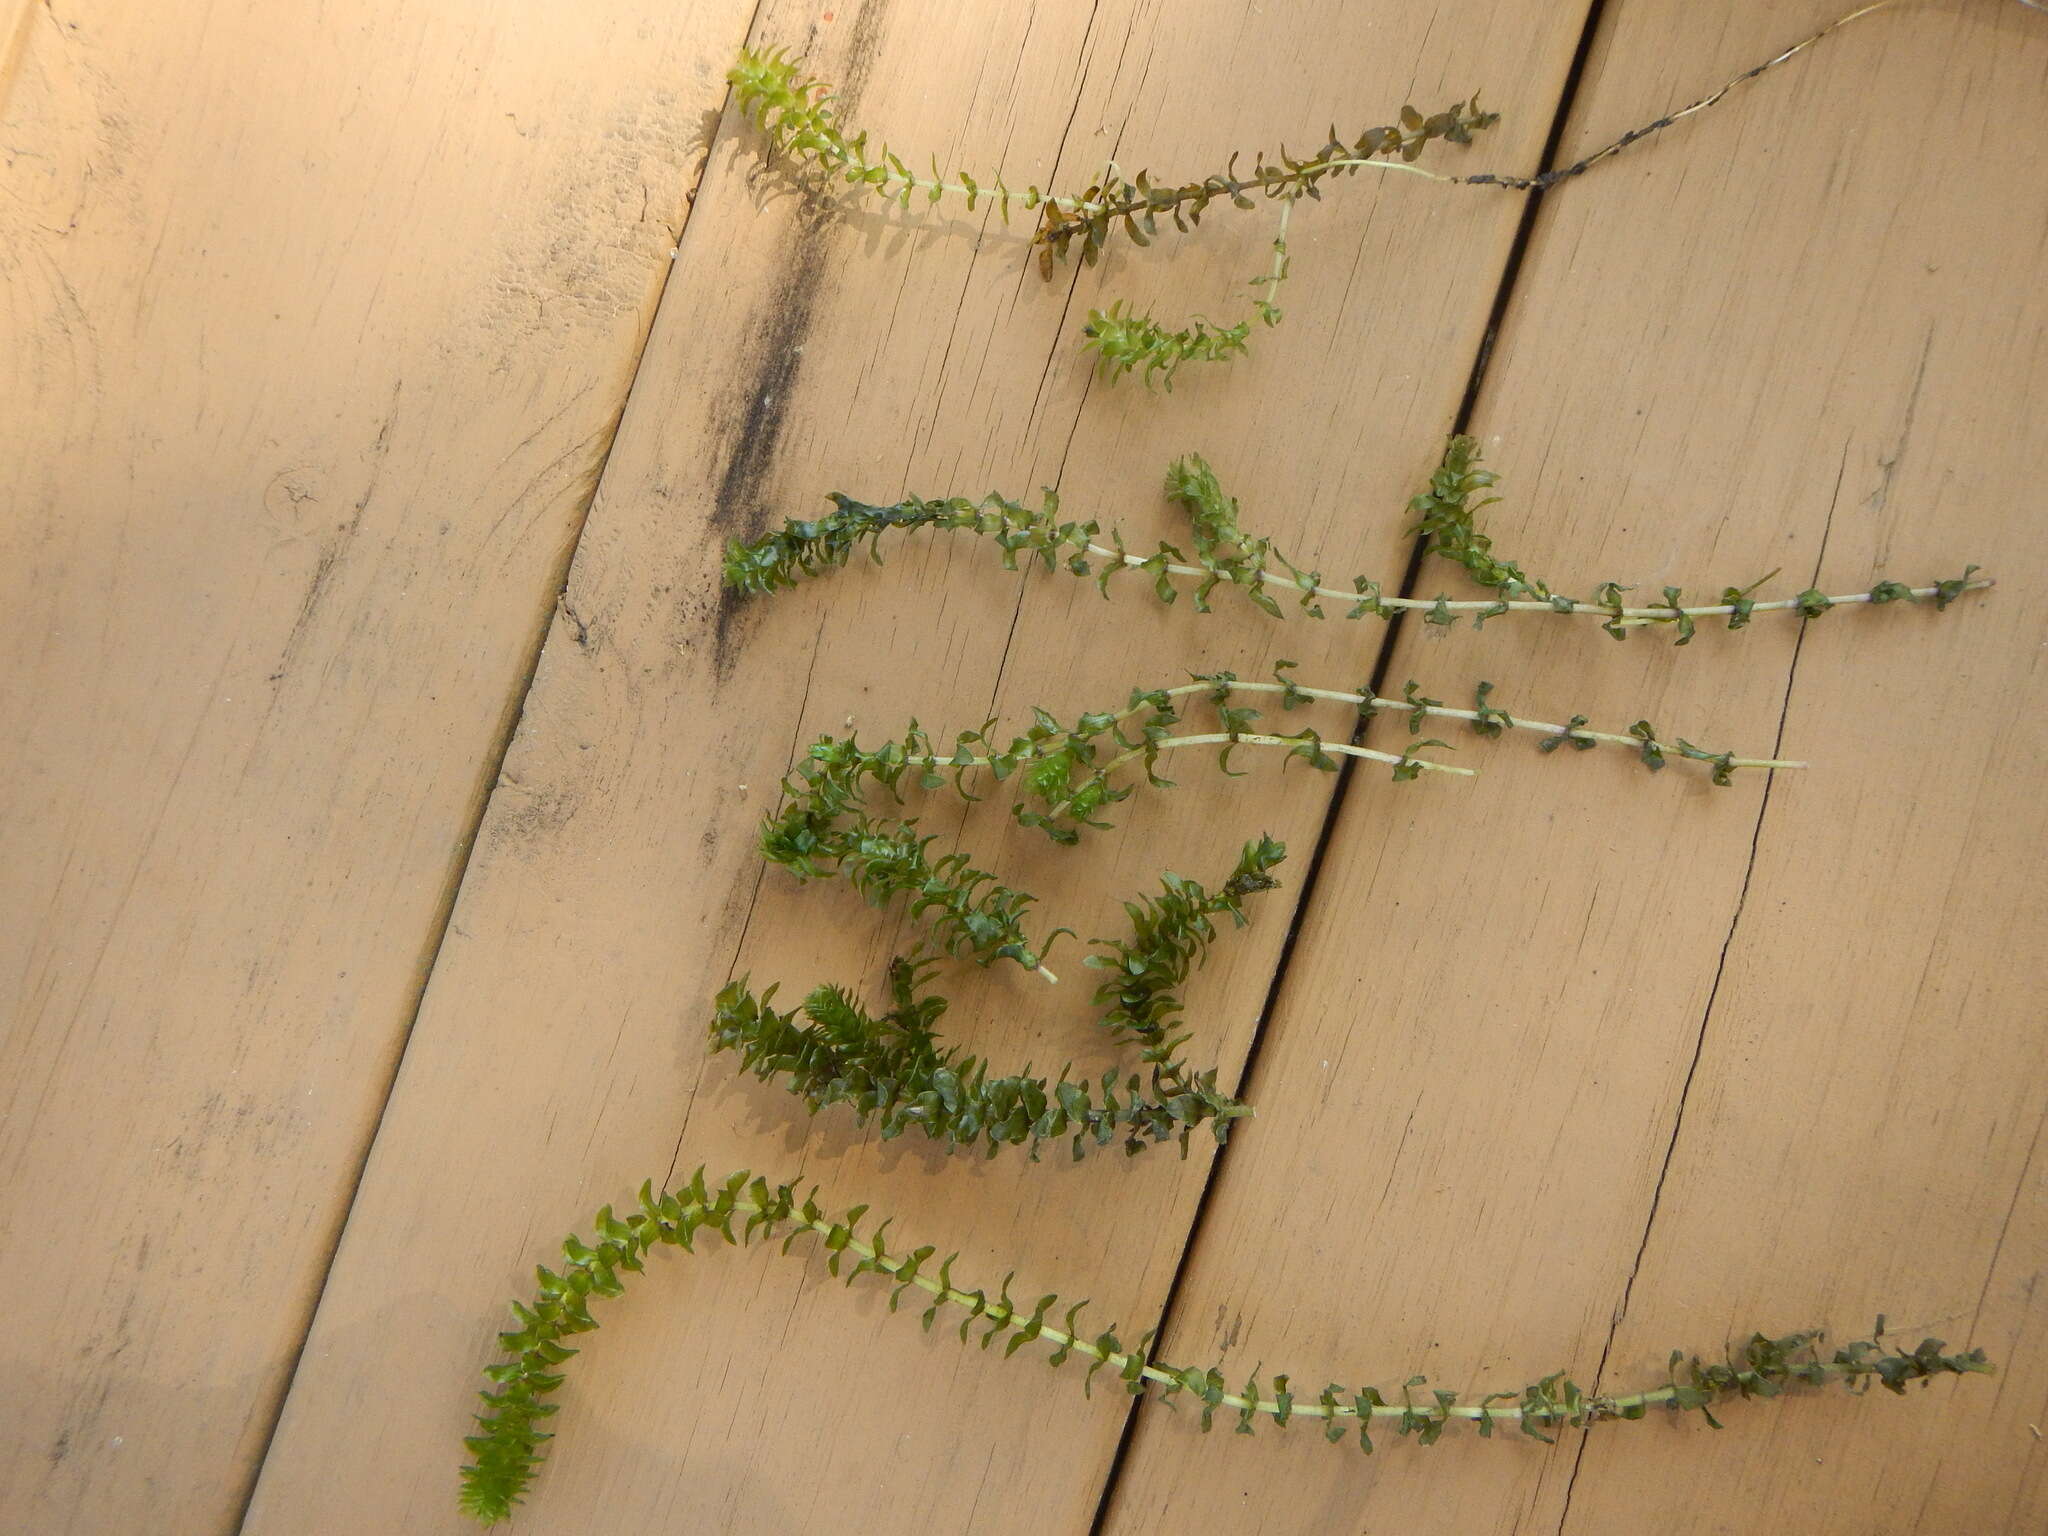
column 313, row 333
column 560, row 1059
column 1771, row 343
column 1568, row 1065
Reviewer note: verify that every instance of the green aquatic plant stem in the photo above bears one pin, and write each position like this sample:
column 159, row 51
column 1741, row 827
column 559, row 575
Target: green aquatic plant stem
column 1652, row 614
column 893, row 1070
column 1224, row 554
column 1574, row 733
column 1124, row 342
column 796, row 112
column 1266, row 305
column 741, row 1208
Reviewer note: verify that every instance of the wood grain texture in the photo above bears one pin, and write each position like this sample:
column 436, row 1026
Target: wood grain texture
column 1773, row 338
column 559, row 1056
column 313, row 332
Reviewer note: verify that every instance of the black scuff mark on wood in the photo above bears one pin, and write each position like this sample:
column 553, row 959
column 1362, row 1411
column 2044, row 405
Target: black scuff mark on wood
column 758, row 414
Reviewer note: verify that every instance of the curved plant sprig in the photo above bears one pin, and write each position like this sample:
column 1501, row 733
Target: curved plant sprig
column 740, row 1209
column 1225, row 555
column 821, row 832
column 1448, row 510
column 1170, row 936
column 823, row 828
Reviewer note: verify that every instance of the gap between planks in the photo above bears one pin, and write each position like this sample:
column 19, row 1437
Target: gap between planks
column 1504, row 289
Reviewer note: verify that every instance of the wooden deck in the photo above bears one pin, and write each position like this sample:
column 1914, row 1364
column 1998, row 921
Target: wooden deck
column 384, row 762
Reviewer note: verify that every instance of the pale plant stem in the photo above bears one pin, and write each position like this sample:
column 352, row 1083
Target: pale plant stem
column 1086, row 209
column 1214, row 739
column 1209, row 739
column 1340, row 594
column 999, row 1312
column 1278, row 275
column 1443, row 712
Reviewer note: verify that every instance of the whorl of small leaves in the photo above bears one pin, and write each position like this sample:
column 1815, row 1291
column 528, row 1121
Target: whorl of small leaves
column 795, row 111
column 1170, row 936
column 1124, row 343
column 803, row 548
column 740, row 1209
column 892, row 1070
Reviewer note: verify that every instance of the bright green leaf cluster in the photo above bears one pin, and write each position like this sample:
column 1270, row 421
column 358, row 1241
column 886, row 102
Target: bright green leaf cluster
column 1124, row 343
column 892, row 1068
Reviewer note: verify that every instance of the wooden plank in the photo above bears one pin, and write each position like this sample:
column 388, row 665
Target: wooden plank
column 559, row 1056
column 1781, row 336
column 1862, row 1133
column 313, row 338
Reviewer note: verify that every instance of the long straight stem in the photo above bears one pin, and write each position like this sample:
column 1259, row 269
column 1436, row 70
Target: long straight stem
column 935, row 188
column 999, row 1312
column 1665, row 614
column 1362, row 701
column 1444, row 712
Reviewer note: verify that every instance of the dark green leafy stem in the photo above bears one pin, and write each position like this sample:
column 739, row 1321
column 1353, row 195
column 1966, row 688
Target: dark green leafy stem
column 795, row 111
column 893, row 1070
column 1224, row 555
column 740, row 1209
